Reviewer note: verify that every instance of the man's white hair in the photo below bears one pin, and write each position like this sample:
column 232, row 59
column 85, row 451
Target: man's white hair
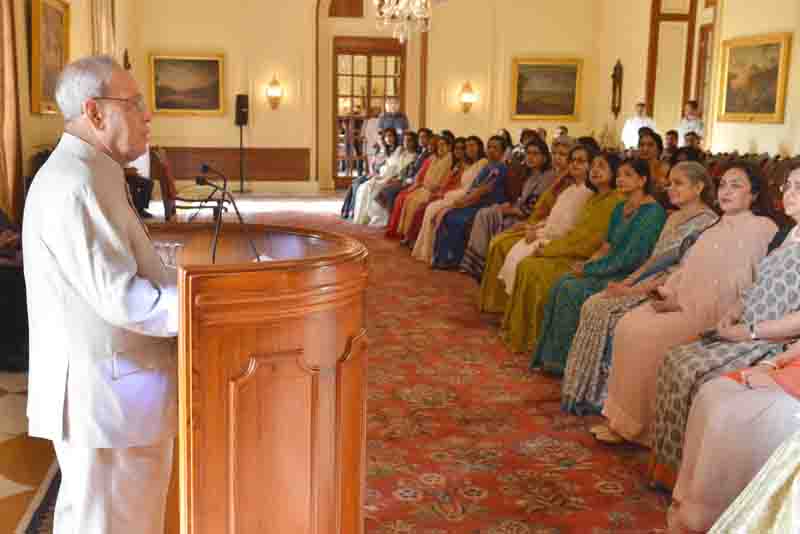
column 81, row 80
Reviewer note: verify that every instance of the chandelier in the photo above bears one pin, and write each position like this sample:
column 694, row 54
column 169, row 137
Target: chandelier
column 406, row 16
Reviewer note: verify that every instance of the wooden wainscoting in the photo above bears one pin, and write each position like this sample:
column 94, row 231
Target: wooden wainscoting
column 261, row 164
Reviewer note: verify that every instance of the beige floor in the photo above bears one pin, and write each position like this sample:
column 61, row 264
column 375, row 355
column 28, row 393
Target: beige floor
column 25, row 462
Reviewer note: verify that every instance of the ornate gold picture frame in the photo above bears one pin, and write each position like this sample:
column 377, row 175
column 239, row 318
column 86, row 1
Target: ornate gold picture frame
column 546, row 89
column 755, row 73
column 187, row 84
column 49, row 51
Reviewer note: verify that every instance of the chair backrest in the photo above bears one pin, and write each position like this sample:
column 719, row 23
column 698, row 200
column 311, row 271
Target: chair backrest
column 159, row 170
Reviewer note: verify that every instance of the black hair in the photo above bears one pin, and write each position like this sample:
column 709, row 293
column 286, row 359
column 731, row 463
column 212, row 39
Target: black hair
column 413, row 136
column 463, row 141
column 426, row 130
column 502, row 132
column 671, row 132
column 642, row 168
column 525, row 133
column 590, row 143
column 693, row 103
column 758, row 185
column 686, row 153
column 500, row 139
column 481, row 148
column 656, row 139
column 566, row 130
column 544, row 149
column 449, row 135
column 614, row 162
column 591, row 154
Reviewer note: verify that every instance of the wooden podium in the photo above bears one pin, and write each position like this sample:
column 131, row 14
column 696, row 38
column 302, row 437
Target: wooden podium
column 272, row 382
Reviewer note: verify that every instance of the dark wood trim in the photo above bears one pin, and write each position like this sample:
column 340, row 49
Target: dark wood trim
column 423, row 81
column 700, row 78
column 368, row 45
column 346, row 8
column 656, row 18
column 711, row 3
column 652, row 56
column 262, row 164
column 687, row 77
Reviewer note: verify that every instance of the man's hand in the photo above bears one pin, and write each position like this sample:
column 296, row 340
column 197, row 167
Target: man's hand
column 9, row 239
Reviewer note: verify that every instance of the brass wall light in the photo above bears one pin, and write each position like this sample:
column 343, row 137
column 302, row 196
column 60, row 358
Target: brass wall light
column 274, row 92
column 468, row 96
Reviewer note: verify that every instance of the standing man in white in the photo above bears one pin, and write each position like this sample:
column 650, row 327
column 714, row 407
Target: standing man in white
column 630, row 132
column 691, row 122
column 103, row 314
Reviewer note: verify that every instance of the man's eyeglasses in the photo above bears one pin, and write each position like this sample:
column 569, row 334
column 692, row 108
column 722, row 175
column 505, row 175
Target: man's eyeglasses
column 137, row 101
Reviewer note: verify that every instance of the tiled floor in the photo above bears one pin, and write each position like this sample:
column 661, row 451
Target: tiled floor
column 24, row 461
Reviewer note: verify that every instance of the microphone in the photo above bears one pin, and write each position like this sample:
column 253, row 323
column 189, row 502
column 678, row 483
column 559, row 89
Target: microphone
column 205, row 168
column 202, row 180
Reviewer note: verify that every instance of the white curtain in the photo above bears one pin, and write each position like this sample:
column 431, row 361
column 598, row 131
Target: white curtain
column 104, row 39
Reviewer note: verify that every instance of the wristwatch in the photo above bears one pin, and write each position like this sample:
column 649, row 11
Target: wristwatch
column 752, row 327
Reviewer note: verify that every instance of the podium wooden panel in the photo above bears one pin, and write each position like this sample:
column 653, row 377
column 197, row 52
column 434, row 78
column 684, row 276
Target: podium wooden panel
column 272, row 382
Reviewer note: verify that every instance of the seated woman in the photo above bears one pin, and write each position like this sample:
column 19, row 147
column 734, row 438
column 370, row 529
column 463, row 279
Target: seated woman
column 761, row 403
column 388, row 147
column 474, row 164
column 584, row 388
column 452, row 182
column 755, row 329
column 536, row 274
column 419, row 180
column 770, row 501
column 391, row 168
column 435, row 180
column 635, row 227
column 493, row 296
column 13, row 304
column 562, row 219
column 691, row 301
column 651, row 146
column 385, row 197
column 491, row 220
column 487, row 189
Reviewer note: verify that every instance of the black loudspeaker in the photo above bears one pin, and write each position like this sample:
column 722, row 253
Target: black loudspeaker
column 242, row 110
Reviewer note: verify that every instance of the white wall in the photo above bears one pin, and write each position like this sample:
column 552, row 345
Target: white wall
column 741, row 18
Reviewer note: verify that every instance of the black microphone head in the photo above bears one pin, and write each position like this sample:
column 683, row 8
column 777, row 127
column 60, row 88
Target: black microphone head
column 201, row 180
column 204, row 168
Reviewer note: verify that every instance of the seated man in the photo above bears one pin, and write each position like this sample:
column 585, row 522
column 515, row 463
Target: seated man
column 13, row 308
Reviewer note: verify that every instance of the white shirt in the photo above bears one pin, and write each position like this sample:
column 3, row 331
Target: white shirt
column 630, row 132
column 689, row 125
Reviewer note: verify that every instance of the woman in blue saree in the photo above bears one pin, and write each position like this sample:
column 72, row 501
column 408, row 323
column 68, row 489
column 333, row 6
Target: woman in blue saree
column 632, row 234
column 488, row 188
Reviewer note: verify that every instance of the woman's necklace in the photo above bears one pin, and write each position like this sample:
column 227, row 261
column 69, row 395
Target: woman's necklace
column 631, row 207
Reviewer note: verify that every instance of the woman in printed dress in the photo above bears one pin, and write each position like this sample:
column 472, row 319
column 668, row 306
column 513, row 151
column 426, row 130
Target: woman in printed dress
column 492, row 220
column 754, row 329
column 692, row 300
column 584, row 387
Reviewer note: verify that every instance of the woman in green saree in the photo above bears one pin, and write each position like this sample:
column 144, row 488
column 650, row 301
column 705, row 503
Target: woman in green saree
column 536, row 274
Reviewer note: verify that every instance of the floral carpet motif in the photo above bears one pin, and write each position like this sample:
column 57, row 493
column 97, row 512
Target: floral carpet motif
column 462, row 439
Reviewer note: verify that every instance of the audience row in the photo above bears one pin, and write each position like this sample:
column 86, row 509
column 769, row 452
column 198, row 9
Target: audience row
column 669, row 303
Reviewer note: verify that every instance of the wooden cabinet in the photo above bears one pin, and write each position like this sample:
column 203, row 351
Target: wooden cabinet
column 272, row 379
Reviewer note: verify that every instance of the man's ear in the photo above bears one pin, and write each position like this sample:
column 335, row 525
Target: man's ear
column 93, row 112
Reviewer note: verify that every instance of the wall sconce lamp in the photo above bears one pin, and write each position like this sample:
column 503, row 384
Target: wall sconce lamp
column 467, row 97
column 274, row 92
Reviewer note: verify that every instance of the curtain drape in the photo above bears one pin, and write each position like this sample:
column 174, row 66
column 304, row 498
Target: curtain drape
column 10, row 141
column 104, row 40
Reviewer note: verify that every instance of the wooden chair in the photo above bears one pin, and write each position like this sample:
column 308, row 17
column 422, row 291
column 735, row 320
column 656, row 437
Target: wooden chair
column 192, row 198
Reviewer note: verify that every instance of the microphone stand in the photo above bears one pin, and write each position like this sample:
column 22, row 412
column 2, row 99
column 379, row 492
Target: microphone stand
column 225, row 196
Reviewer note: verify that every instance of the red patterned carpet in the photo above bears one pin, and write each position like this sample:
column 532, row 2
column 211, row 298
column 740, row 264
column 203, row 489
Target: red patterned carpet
column 462, row 438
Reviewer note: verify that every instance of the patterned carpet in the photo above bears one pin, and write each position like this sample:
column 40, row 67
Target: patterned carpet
column 462, row 439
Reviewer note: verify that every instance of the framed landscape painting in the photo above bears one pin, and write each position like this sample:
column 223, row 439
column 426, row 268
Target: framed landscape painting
column 755, row 72
column 187, row 85
column 546, row 89
column 49, row 51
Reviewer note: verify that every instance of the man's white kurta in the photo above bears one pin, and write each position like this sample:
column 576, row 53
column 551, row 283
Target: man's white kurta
column 101, row 308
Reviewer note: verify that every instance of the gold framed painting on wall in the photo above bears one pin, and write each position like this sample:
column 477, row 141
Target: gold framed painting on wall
column 546, row 89
column 187, row 84
column 755, row 73
column 49, row 51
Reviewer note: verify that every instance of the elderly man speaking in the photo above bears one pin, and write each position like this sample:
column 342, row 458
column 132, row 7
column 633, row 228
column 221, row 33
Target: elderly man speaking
column 103, row 314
